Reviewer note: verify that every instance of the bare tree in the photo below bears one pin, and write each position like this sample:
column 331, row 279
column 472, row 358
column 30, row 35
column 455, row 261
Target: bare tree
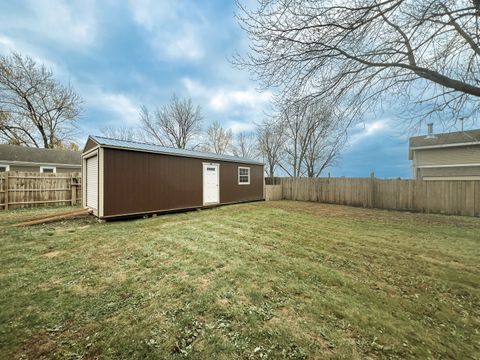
column 270, row 140
column 218, row 138
column 292, row 119
column 37, row 110
column 323, row 138
column 176, row 124
column 356, row 53
column 313, row 138
column 123, row 133
column 245, row 145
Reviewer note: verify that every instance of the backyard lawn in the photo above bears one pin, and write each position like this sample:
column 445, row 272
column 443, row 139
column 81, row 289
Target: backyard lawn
column 272, row 280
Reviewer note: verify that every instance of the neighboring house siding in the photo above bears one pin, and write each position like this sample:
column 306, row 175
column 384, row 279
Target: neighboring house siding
column 449, row 171
column 448, row 156
column 37, row 168
column 24, row 168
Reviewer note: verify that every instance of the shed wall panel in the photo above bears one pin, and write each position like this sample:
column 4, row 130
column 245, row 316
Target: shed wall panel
column 139, row 182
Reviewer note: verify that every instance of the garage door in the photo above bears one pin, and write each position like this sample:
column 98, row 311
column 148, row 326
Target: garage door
column 92, row 182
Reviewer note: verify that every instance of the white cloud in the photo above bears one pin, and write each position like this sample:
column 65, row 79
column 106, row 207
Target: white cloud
column 69, row 23
column 175, row 29
column 238, row 126
column 125, row 112
column 225, row 98
column 220, row 99
column 364, row 131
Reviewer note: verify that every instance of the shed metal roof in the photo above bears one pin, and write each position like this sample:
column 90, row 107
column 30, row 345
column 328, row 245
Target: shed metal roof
column 138, row 146
column 40, row 156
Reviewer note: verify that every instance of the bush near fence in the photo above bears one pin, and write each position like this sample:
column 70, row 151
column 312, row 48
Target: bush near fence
column 29, row 189
column 451, row 197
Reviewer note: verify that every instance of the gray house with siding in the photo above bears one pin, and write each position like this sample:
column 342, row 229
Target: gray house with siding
column 446, row 156
column 21, row 158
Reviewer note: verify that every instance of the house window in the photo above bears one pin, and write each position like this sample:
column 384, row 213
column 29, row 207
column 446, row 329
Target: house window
column 243, row 175
column 48, row 169
column 4, row 167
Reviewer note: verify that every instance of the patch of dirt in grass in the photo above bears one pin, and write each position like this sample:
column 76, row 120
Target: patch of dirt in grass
column 286, row 317
column 50, row 283
column 224, row 301
column 86, row 289
column 284, row 314
column 53, row 254
column 72, row 228
column 204, row 283
column 39, row 346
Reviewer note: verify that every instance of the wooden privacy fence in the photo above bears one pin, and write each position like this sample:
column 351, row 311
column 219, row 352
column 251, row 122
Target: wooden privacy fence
column 27, row 189
column 443, row 196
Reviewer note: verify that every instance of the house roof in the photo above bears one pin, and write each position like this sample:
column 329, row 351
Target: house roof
column 138, row 146
column 458, row 138
column 15, row 153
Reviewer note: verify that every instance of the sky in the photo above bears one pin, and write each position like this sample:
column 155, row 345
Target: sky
column 122, row 55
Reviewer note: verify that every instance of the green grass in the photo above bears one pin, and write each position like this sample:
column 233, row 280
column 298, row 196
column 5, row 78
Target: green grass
column 264, row 280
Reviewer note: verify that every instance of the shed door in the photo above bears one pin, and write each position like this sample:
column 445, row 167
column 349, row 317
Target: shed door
column 211, row 184
column 92, row 182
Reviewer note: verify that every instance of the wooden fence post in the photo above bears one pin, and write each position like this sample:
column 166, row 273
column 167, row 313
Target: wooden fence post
column 6, row 190
column 73, row 188
column 372, row 189
column 471, row 197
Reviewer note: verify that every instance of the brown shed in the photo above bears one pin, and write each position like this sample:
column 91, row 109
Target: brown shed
column 125, row 178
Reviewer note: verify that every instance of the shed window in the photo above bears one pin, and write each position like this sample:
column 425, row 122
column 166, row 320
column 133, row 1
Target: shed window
column 243, row 175
column 48, row 169
column 4, row 167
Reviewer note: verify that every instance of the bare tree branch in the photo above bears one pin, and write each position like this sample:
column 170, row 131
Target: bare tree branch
column 218, row 138
column 123, row 133
column 245, row 145
column 175, row 124
column 359, row 54
column 38, row 111
column 270, row 140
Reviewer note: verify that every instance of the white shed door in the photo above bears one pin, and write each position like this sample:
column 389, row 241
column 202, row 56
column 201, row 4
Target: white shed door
column 92, row 182
column 211, row 184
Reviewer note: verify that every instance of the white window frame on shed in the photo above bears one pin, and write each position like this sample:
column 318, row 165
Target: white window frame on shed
column 6, row 166
column 54, row 168
column 244, row 168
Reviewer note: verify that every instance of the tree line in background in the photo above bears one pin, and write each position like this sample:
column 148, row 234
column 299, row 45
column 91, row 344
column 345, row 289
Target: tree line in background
column 330, row 61
column 297, row 141
column 37, row 110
